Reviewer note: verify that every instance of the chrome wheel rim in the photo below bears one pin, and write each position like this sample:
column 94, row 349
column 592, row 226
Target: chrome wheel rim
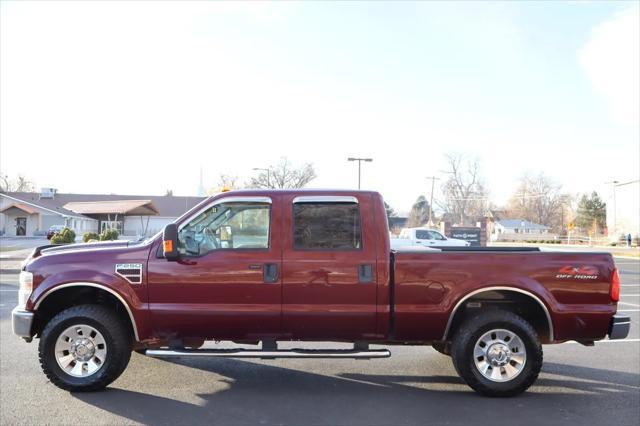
column 500, row 355
column 80, row 350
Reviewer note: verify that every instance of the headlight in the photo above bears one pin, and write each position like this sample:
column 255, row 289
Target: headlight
column 26, row 286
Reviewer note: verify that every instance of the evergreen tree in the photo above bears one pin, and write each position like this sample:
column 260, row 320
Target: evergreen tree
column 390, row 213
column 419, row 214
column 591, row 209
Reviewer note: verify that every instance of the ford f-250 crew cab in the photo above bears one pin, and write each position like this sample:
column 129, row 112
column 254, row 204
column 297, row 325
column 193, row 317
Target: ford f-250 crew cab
column 269, row 266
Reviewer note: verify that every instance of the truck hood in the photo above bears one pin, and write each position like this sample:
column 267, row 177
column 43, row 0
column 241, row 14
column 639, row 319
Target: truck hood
column 50, row 249
column 68, row 248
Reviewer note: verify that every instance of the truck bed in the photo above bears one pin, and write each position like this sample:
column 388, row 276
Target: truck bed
column 428, row 284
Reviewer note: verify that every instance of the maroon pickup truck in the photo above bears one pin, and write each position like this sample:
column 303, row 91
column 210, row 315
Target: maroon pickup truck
column 269, row 266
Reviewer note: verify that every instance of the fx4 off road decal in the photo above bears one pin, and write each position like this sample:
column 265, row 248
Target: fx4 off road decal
column 578, row 272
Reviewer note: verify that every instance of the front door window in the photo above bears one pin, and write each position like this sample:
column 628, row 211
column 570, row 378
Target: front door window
column 226, row 226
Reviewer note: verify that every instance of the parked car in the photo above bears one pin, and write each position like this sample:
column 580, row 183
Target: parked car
column 53, row 230
column 271, row 266
column 425, row 237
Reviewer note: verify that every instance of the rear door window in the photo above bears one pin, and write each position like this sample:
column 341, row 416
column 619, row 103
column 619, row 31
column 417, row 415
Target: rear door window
column 326, row 226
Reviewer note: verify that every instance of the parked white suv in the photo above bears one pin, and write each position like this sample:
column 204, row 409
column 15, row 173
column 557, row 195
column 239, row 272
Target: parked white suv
column 425, row 237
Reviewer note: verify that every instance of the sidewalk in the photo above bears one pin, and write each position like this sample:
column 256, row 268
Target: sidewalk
column 11, row 261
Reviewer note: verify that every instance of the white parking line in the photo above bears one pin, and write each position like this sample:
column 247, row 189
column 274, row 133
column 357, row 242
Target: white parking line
column 629, row 304
column 610, row 341
column 628, row 310
column 629, row 295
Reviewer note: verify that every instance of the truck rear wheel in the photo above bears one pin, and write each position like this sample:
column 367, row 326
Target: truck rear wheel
column 84, row 348
column 497, row 353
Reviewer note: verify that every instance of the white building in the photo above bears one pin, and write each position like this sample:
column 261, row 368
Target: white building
column 31, row 214
column 623, row 211
column 518, row 229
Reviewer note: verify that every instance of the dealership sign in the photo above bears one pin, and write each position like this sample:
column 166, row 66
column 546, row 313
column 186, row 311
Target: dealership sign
column 470, row 234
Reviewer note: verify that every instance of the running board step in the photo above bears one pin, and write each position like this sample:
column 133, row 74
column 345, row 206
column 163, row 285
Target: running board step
column 270, row 354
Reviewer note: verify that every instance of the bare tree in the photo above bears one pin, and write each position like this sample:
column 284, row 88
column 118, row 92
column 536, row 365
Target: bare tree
column 540, row 200
column 284, row 175
column 5, row 184
column 229, row 182
column 465, row 196
column 20, row 184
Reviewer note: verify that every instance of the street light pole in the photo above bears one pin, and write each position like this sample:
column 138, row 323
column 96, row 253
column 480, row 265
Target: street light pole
column 433, row 182
column 268, row 175
column 359, row 160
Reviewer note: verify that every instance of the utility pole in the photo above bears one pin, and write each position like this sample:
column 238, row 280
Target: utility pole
column 201, row 191
column 359, row 160
column 433, row 182
column 268, row 175
column 613, row 183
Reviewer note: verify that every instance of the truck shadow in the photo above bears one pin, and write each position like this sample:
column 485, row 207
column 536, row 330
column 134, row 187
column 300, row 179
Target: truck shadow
column 265, row 394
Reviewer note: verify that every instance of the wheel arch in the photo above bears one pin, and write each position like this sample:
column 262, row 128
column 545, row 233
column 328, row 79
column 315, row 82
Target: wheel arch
column 99, row 287
column 503, row 288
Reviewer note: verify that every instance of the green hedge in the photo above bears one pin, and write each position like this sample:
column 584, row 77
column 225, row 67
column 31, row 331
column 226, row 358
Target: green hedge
column 90, row 236
column 65, row 236
column 109, row 235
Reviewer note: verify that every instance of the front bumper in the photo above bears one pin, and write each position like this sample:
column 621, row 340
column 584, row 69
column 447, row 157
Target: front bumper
column 21, row 322
column 619, row 327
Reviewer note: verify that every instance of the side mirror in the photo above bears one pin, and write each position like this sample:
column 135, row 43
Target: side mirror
column 170, row 242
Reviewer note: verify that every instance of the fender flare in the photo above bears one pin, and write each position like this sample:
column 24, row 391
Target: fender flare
column 101, row 287
column 500, row 288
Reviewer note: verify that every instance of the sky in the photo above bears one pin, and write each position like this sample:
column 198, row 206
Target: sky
column 137, row 97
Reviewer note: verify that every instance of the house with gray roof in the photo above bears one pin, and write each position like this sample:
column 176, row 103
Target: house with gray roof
column 518, row 229
column 134, row 216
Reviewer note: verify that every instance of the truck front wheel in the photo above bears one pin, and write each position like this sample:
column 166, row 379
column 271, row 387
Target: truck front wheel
column 497, row 353
column 84, row 348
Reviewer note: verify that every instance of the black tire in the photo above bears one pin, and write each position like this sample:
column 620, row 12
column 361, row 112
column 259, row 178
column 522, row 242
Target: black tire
column 443, row 347
column 469, row 333
column 117, row 337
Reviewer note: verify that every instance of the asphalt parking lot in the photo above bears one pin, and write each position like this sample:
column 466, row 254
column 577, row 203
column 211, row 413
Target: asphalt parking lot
column 578, row 385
